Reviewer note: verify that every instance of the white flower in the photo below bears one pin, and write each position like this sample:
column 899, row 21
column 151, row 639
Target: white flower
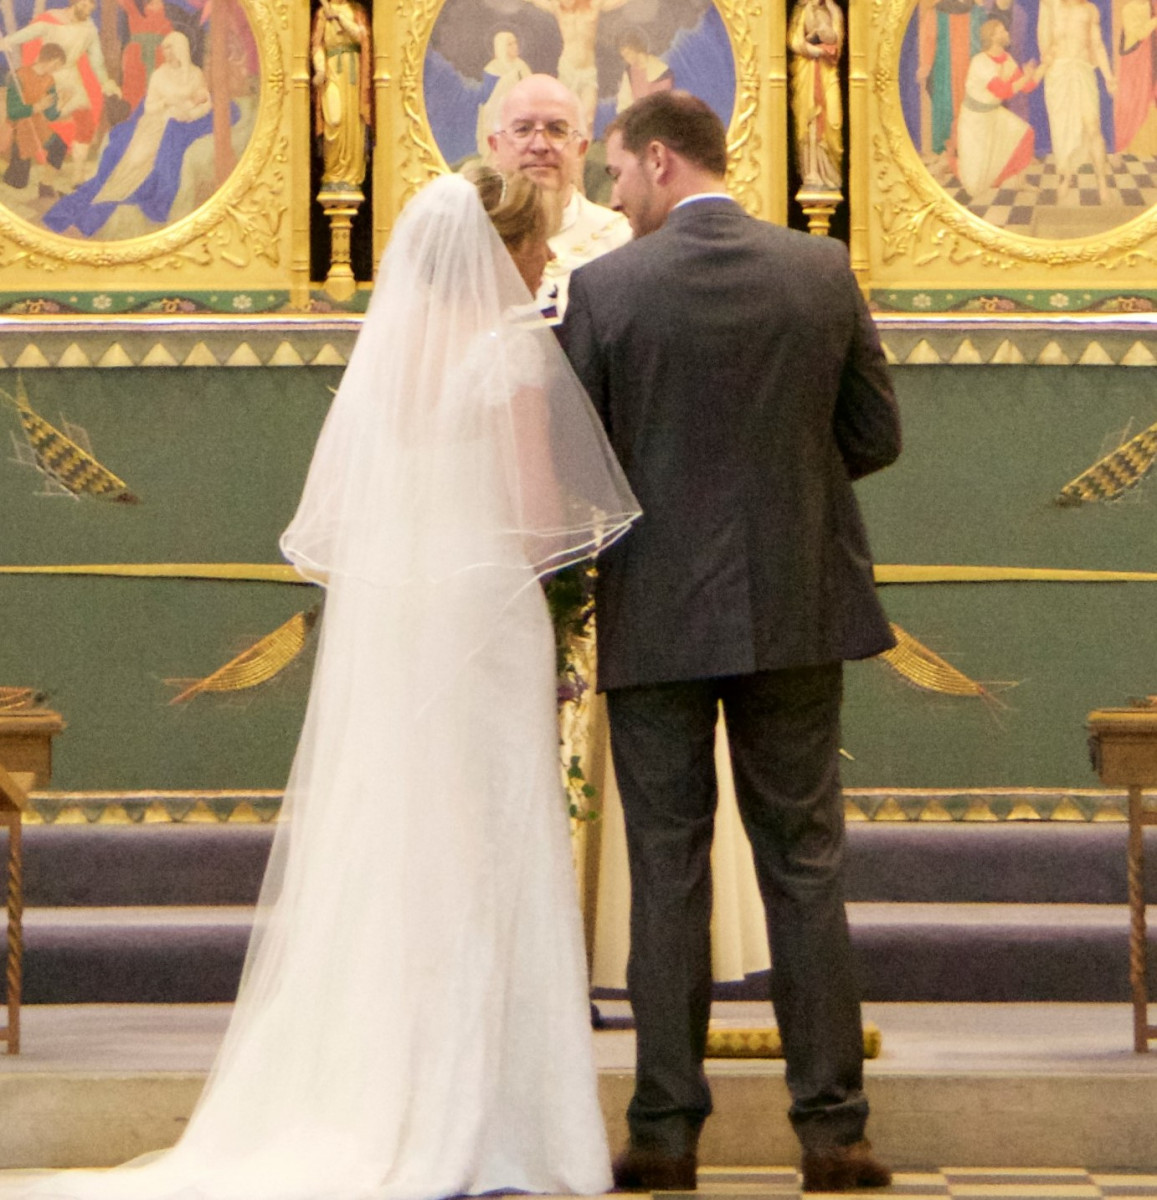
column 242, row 303
column 102, row 301
column 922, row 300
column 1059, row 300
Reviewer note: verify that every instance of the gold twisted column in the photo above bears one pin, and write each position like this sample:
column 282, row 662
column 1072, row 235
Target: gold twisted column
column 1138, row 979
column 15, row 972
column 1124, row 752
column 26, row 750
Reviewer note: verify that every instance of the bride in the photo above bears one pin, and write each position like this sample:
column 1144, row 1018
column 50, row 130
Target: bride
column 413, row 1019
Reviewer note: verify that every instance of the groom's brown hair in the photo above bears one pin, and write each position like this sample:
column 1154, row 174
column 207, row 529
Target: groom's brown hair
column 682, row 122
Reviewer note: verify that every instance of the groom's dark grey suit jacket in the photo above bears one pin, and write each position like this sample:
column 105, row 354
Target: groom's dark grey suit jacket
column 743, row 387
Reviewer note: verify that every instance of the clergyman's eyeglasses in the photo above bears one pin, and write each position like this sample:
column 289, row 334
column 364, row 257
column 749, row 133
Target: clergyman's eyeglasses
column 557, row 133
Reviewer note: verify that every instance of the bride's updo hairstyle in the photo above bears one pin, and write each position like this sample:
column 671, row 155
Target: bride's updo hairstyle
column 515, row 205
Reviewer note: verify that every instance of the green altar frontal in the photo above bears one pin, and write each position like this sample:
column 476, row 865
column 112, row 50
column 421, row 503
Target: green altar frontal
column 145, row 599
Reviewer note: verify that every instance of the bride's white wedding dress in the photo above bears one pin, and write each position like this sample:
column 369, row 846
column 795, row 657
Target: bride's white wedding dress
column 413, row 1021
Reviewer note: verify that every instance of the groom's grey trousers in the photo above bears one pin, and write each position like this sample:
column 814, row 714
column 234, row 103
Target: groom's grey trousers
column 783, row 732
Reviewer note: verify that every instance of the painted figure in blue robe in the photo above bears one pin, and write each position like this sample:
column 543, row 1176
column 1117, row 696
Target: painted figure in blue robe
column 141, row 164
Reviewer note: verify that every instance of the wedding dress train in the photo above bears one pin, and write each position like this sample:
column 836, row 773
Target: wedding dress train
column 413, row 1020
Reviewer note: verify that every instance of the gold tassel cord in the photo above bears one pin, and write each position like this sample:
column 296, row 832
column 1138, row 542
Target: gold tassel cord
column 1113, row 475
column 260, row 662
column 926, row 669
column 62, row 460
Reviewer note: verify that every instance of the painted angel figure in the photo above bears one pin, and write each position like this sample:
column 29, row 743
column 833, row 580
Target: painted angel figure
column 816, row 40
column 340, row 53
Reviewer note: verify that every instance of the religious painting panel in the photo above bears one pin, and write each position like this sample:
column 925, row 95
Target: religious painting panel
column 1011, row 164
column 458, row 59
column 144, row 153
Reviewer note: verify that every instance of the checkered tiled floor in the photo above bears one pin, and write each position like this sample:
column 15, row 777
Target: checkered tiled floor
column 976, row 1183
column 1132, row 185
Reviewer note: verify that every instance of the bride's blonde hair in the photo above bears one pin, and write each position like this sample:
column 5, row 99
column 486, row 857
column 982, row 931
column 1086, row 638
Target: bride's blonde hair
column 517, row 207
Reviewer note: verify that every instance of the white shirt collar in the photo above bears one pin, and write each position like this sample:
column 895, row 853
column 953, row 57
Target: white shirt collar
column 701, row 196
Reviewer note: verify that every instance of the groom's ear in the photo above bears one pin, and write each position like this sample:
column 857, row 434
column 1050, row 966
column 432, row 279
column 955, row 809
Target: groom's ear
column 658, row 159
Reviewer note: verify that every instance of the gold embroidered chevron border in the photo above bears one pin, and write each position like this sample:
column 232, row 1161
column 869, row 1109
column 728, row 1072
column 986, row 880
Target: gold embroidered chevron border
column 1045, row 342
column 311, row 341
column 883, row 805
column 205, row 342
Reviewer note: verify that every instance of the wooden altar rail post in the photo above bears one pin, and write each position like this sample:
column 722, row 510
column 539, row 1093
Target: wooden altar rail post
column 25, row 762
column 1124, row 750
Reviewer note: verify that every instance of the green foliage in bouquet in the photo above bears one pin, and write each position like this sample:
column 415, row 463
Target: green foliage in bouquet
column 570, row 599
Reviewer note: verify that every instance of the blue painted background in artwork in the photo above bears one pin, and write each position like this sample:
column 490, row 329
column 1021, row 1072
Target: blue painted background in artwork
column 702, row 63
column 452, row 103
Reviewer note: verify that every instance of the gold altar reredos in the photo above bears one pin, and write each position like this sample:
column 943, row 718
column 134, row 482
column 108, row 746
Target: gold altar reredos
column 254, row 231
column 908, row 232
column 242, row 235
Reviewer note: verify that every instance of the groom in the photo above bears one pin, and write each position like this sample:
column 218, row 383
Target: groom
column 743, row 387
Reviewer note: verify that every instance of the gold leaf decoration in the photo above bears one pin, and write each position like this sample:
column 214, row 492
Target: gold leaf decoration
column 924, row 668
column 62, row 460
column 1110, row 477
column 260, row 662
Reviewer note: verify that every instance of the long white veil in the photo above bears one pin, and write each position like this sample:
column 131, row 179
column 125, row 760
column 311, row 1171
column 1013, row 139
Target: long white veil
column 413, row 1019
column 453, row 353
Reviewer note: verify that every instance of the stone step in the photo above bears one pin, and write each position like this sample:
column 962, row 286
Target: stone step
column 967, row 1086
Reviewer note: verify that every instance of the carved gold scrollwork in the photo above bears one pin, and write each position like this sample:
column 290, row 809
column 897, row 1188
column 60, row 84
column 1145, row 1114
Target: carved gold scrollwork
column 241, row 221
column 744, row 142
column 920, row 222
column 419, row 159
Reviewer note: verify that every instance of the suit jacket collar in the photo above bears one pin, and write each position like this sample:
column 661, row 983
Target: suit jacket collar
column 686, row 213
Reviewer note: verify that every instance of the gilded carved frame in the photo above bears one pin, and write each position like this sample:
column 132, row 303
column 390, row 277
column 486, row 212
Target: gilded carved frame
column 918, row 250
column 407, row 154
column 251, row 234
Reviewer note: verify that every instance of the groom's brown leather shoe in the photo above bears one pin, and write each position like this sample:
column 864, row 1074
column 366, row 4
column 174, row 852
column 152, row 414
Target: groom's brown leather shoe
column 843, row 1168
column 643, row 1170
